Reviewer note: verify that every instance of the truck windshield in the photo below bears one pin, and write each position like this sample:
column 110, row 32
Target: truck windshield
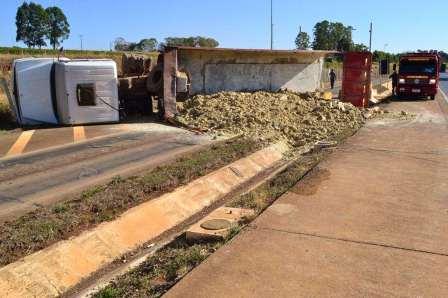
column 411, row 67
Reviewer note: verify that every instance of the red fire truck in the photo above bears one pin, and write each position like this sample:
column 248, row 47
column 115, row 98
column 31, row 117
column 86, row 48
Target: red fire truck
column 419, row 75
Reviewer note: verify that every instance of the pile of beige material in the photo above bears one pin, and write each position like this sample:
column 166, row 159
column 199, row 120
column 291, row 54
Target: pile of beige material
column 297, row 118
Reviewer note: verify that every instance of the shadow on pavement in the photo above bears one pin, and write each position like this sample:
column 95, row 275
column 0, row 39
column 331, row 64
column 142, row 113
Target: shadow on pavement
column 408, row 99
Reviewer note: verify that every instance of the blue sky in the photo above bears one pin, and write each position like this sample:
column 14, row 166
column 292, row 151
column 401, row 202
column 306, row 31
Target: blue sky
column 398, row 25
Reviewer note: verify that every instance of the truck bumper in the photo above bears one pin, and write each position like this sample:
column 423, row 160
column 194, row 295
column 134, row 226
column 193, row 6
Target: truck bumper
column 416, row 90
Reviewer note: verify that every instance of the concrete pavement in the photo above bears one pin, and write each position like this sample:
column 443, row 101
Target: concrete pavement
column 371, row 220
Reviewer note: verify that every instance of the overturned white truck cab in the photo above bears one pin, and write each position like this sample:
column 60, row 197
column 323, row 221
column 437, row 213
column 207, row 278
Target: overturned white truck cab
column 65, row 92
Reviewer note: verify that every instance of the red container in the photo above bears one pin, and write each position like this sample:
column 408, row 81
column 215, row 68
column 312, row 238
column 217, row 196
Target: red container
column 356, row 80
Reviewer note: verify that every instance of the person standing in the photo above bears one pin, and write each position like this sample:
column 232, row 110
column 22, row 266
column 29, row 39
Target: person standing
column 394, row 77
column 332, row 75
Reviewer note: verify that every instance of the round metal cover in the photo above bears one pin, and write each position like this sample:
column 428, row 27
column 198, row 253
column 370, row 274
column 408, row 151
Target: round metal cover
column 216, row 224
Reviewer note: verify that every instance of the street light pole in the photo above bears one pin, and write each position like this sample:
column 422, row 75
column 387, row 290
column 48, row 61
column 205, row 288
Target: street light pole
column 80, row 38
column 272, row 27
column 370, row 31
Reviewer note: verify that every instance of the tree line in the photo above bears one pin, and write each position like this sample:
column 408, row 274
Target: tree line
column 329, row 36
column 151, row 44
column 36, row 24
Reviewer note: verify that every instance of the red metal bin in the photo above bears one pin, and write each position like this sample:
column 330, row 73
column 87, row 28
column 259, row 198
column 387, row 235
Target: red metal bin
column 356, row 79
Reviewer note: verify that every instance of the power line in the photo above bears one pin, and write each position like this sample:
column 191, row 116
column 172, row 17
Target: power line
column 272, row 27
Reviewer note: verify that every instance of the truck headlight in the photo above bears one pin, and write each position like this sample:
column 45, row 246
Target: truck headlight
column 402, row 81
column 432, row 81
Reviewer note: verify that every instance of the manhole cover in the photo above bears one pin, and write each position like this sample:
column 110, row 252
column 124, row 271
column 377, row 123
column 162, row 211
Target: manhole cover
column 216, row 224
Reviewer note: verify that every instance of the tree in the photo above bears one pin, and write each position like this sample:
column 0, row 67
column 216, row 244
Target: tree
column 360, row 47
column 344, row 45
column 59, row 29
column 120, row 44
column 380, row 55
column 302, row 41
column 332, row 36
column 32, row 24
column 206, row 42
column 146, row 45
column 322, row 39
column 198, row 41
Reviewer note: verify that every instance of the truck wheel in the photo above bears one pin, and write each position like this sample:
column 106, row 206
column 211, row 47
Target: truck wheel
column 432, row 97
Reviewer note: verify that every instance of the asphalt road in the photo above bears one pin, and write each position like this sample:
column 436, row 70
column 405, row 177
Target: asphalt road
column 56, row 173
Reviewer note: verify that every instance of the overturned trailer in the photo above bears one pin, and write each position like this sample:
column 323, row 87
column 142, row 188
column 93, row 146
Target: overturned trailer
column 188, row 71
column 71, row 92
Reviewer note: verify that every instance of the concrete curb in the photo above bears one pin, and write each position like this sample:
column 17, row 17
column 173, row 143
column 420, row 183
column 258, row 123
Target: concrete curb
column 443, row 103
column 54, row 270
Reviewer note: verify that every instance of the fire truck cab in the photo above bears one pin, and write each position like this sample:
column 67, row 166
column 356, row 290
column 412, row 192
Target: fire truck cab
column 419, row 75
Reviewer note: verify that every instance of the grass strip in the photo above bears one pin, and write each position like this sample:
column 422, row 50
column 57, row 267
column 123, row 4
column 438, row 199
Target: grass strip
column 47, row 225
column 166, row 267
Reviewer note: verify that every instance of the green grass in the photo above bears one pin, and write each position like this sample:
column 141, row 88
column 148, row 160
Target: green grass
column 108, row 293
column 7, row 55
column 160, row 271
column 27, row 51
column 47, row 225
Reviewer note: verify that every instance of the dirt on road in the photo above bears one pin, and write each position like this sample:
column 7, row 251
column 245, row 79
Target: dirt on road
column 297, row 118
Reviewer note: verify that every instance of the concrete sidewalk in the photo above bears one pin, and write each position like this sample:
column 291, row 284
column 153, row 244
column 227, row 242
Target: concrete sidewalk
column 372, row 220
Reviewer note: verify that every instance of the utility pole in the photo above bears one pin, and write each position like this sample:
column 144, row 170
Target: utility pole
column 370, row 31
column 80, row 38
column 272, row 27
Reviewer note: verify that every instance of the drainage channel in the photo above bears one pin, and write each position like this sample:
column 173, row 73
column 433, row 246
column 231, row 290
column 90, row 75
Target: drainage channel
column 216, row 221
column 136, row 258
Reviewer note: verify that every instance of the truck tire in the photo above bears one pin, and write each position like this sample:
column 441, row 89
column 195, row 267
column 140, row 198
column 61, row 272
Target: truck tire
column 432, row 97
column 154, row 83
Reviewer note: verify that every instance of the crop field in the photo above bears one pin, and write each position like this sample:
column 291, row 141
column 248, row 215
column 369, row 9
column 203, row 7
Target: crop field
column 7, row 55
